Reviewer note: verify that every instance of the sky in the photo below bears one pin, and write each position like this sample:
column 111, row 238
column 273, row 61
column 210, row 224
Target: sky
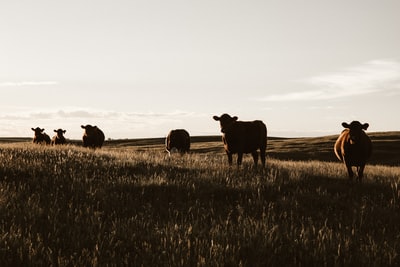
column 138, row 69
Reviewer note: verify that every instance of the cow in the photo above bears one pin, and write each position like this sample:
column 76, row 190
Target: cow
column 93, row 137
column 178, row 139
column 243, row 137
column 40, row 136
column 59, row 138
column 354, row 147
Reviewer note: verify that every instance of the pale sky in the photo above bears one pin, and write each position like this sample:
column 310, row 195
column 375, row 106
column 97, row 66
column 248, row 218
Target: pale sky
column 140, row 68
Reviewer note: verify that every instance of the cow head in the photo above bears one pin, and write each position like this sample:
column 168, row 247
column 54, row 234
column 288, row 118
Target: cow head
column 226, row 122
column 89, row 129
column 355, row 130
column 60, row 132
column 37, row 130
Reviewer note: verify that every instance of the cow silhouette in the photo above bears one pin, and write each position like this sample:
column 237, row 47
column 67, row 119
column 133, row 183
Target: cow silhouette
column 243, row 137
column 354, row 147
column 40, row 137
column 93, row 137
column 59, row 138
column 178, row 139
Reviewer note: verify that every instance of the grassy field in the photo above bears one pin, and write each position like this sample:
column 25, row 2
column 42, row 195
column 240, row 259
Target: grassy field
column 129, row 204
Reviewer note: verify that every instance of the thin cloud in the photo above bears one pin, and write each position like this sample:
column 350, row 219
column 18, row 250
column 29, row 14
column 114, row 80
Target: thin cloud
column 29, row 83
column 45, row 115
column 116, row 124
column 305, row 95
column 371, row 77
column 95, row 114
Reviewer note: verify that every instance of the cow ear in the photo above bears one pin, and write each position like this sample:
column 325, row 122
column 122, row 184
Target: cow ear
column 64, row 131
column 365, row 126
column 55, row 131
column 345, row 125
column 235, row 118
column 33, row 129
column 42, row 130
column 83, row 127
column 215, row 118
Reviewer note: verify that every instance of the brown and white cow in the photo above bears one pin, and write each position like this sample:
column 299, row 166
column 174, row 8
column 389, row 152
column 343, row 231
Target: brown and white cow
column 59, row 138
column 178, row 139
column 243, row 137
column 40, row 136
column 93, row 137
column 354, row 147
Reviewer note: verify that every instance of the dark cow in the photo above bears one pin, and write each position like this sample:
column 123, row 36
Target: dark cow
column 354, row 147
column 243, row 137
column 59, row 138
column 40, row 136
column 93, row 137
column 178, row 139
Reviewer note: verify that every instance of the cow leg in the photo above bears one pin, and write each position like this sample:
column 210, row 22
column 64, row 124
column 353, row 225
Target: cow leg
column 229, row 158
column 360, row 172
column 239, row 159
column 255, row 157
column 262, row 154
column 350, row 171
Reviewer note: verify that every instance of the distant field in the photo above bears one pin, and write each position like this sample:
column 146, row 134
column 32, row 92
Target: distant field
column 386, row 146
column 130, row 204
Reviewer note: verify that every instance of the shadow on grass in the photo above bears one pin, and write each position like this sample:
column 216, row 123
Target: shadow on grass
column 342, row 203
column 320, row 198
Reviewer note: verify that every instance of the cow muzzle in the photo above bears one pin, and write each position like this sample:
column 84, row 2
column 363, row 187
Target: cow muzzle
column 227, row 128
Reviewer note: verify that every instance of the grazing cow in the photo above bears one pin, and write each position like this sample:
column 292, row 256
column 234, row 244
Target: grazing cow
column 354, row 147
column 243, row 137
column 93, row 137
column 59, row 138
column 40, row 136
column 178, row 139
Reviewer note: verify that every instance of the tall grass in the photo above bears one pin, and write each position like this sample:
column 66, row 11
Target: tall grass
column 68, row 206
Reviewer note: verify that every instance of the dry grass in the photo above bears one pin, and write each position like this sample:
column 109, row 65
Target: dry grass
column 134, row 205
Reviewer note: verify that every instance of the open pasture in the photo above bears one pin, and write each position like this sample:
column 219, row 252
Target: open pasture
column 131, row 204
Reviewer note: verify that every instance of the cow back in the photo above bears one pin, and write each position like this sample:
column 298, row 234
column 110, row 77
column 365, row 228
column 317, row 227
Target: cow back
column 245, row 137
column 357, row 153
column 94, row 139
column 41, row 138
column 179, row 139
column 57, row 140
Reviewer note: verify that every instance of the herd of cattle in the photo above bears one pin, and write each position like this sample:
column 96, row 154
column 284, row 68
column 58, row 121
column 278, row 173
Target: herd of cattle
column 93, row 137
column 353, row 146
